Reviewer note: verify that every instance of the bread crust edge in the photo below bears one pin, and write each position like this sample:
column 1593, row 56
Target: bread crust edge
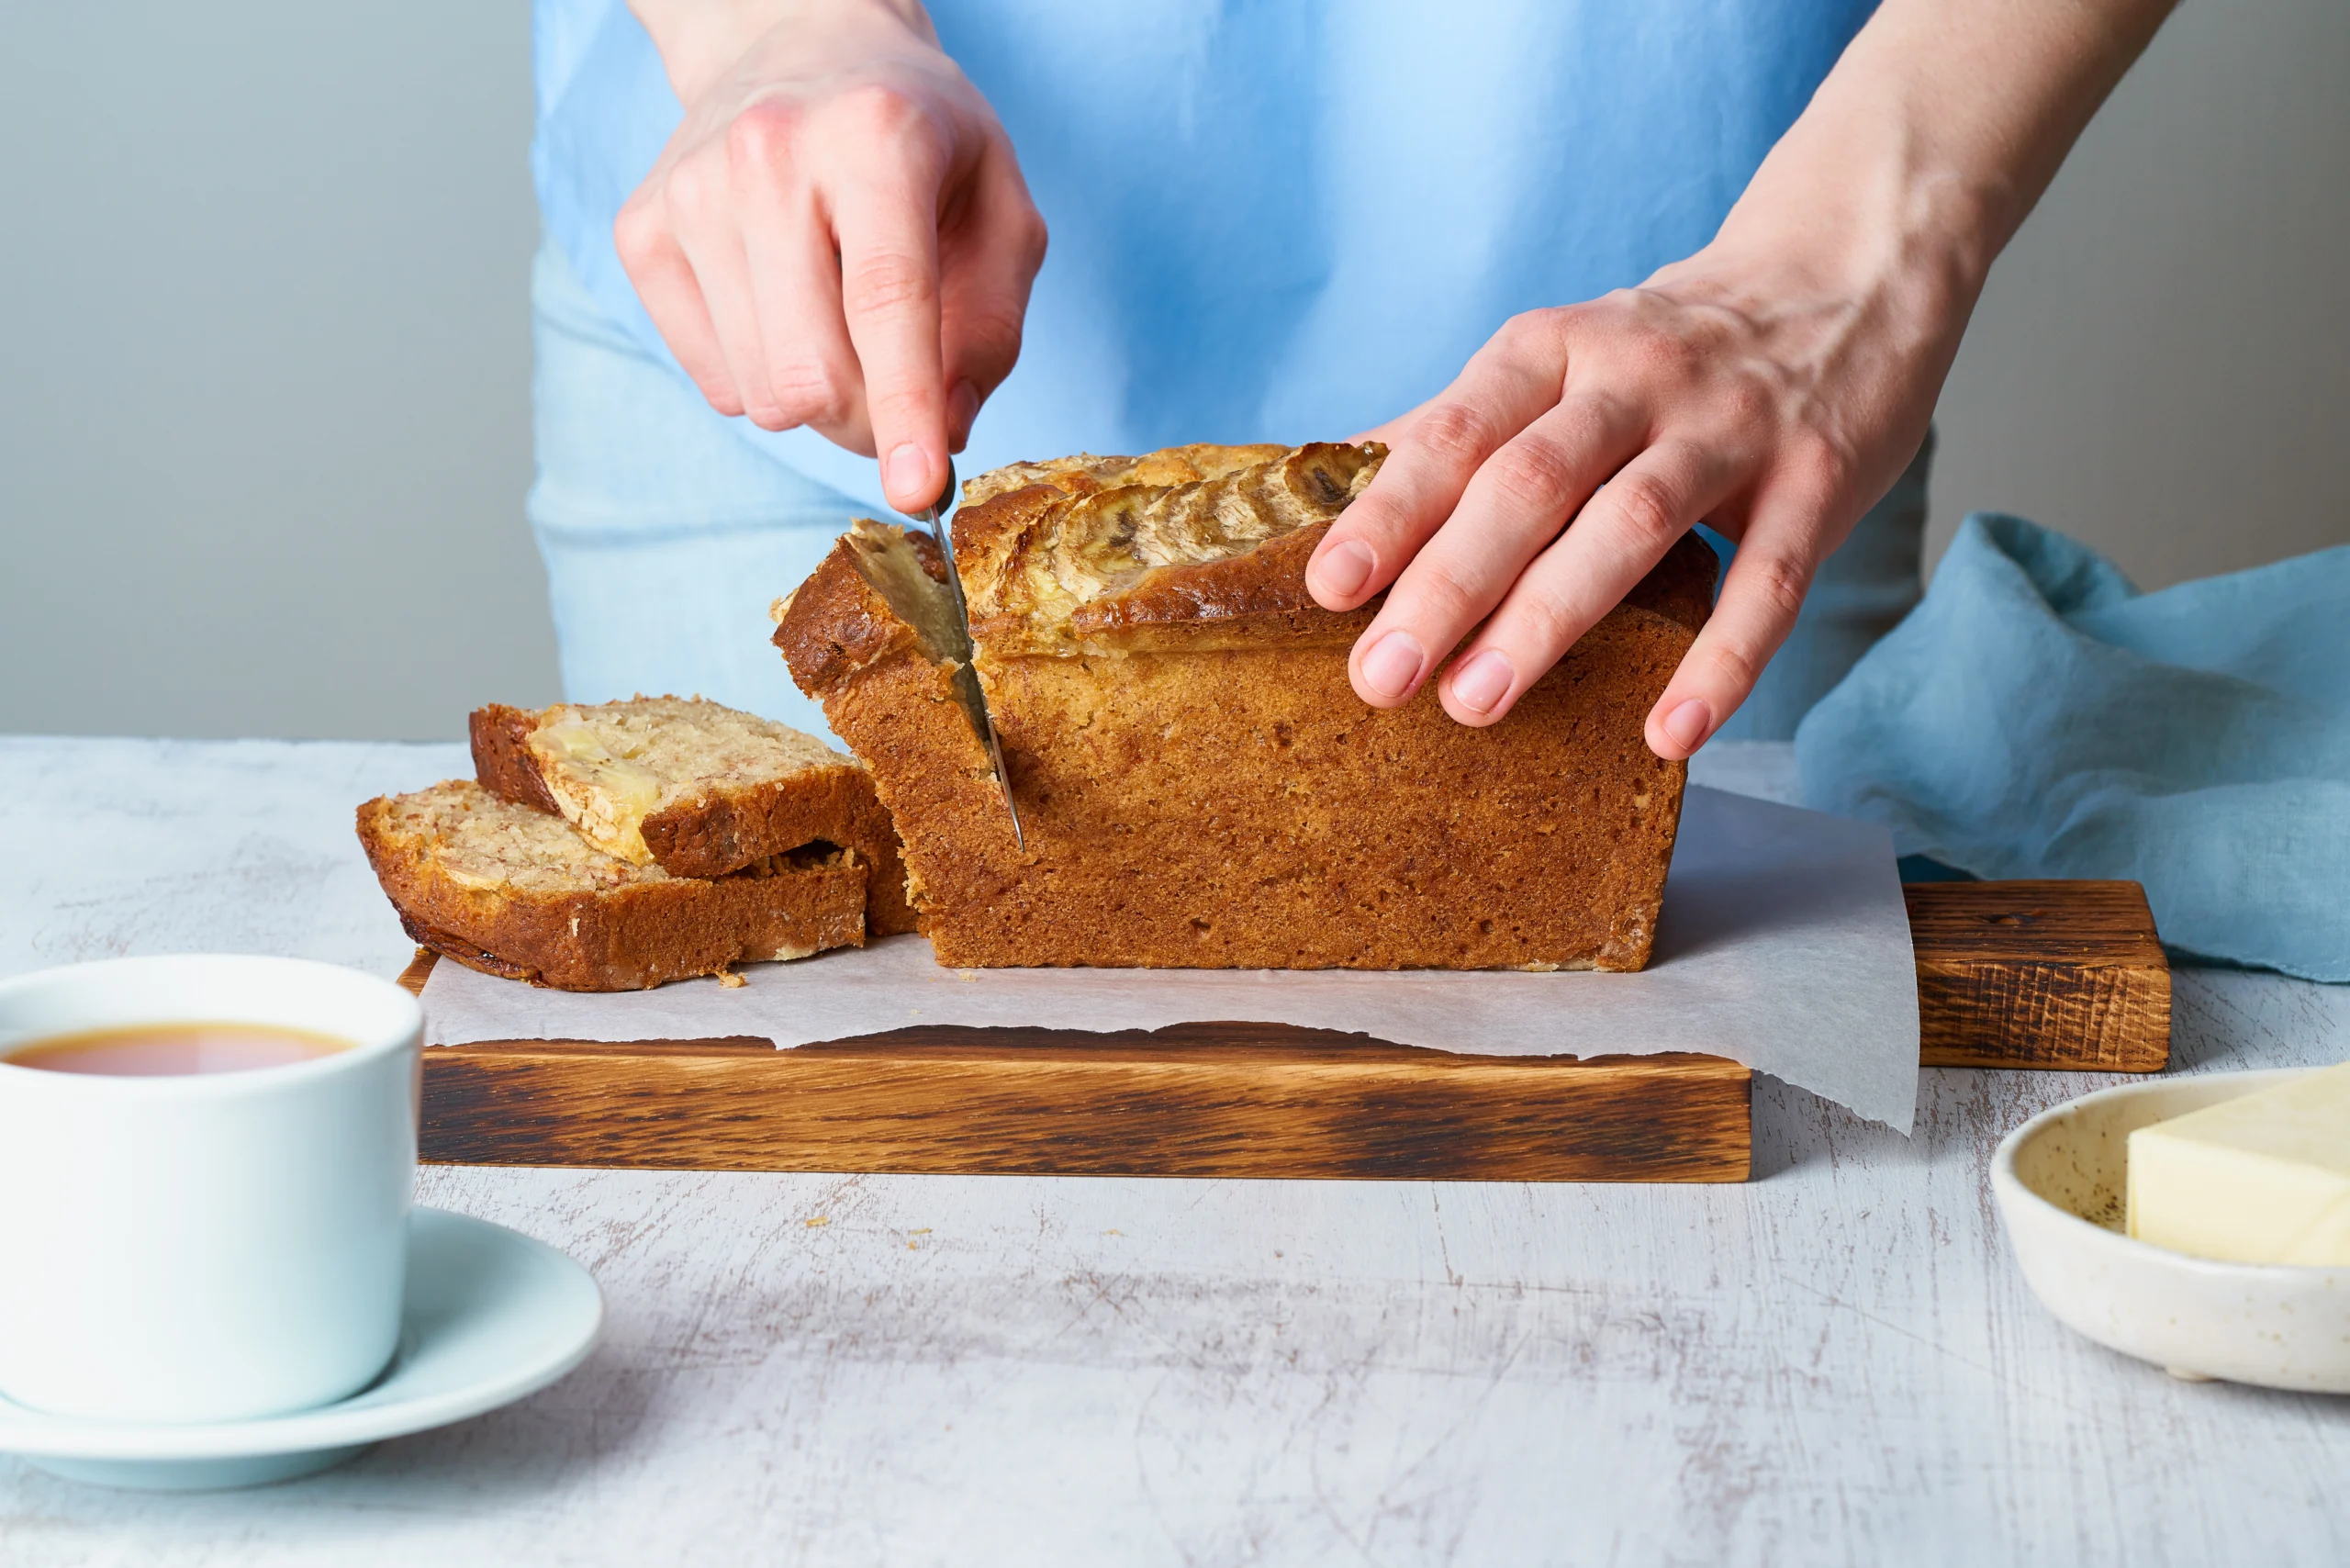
column 630, row 938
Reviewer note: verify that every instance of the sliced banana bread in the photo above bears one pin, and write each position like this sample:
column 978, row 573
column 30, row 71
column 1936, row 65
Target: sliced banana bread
column 1200, row 785
column 513, row 892
column 695, row 787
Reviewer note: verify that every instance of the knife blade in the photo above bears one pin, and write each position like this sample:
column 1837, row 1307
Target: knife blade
column 935, row 515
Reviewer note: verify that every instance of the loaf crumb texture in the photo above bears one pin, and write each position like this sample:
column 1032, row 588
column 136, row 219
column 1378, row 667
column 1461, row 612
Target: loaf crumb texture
column 512, row 890
column 613, row 765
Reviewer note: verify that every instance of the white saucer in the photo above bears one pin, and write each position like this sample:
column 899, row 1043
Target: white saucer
column 490, row 1315
column 2058, row 1180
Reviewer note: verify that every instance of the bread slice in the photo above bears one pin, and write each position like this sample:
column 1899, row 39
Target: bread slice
column 1198, row 784
column 513, row 892
column 695, row 787
column 873, row 635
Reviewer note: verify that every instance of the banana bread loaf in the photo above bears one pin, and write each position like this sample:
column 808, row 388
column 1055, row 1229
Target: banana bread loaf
column 1199, row 785
column 693, row 787
column 513, row 892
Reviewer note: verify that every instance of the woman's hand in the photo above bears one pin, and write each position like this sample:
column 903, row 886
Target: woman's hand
column 1773, row 385
column 837, row 236
column 1775, row 408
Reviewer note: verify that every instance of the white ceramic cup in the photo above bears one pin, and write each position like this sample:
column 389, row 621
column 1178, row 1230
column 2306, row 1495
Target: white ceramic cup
column 207, row 1247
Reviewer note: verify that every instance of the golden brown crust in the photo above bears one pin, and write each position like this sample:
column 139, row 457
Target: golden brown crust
column 717, row 833
column 1259, row 598
column 901, row 713
column 717, row 830
column 1085, row 473
column 1044, row 566
column 910, row 717
column 1681, row 586
column 1242, row 808
column 639, row 928
column 1200, row 788
column 990, row 535
column 502, row 761
column 871, row 834
column 1240, row 602
column 836, row 623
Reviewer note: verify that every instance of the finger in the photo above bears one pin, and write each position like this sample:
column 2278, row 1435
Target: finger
column 1516, row 505
column 1760, row 598
column 811, row 367
column 1614, row 541
column 887, row 227
column 702, row 214
column 1509, row 382
column 989, row 253
column 665, row 281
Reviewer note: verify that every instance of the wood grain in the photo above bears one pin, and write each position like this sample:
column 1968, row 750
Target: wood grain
column 2018, row 974
column 2060, row 975
column 1201, row 1099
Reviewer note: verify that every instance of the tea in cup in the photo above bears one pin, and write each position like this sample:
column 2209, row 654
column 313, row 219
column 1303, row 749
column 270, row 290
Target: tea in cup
column 172, row 1050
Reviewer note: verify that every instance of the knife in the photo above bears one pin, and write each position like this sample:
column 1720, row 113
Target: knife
column 935, row 515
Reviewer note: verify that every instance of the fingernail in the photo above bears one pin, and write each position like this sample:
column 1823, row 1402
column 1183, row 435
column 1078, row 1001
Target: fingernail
column 1343, row 569
column 1689, row 724
column 962, row 411
column 1482, row 681
column 1392, row 664
column 904, row 474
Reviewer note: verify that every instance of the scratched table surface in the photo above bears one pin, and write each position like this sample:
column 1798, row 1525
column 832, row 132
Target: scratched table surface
column 1837, row 1362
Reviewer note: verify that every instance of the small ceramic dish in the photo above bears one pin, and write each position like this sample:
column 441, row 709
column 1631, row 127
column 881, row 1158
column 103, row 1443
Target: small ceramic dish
column 490, row 1315
column 2058, row 1180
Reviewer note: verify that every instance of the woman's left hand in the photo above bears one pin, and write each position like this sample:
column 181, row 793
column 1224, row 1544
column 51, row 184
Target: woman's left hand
column 1518, row 507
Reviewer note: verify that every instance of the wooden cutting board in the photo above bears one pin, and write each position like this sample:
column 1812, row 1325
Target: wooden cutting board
column 2059, row 975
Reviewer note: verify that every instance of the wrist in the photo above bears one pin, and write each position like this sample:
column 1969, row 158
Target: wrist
column 1884, row 260
column 702, row 41
column 1894, row 225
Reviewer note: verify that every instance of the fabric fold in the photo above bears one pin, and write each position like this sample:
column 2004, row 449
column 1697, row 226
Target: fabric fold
column 2039, row 716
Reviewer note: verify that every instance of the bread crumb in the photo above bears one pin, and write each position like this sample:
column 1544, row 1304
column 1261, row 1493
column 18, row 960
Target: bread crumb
column 924, row 1231
column 732, row 980
column 819, row 1221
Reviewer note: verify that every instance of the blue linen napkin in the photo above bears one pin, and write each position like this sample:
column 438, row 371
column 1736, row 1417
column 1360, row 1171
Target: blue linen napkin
column 2038, row 716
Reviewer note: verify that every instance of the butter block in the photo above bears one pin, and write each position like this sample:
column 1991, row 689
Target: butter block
column 2261, row 1179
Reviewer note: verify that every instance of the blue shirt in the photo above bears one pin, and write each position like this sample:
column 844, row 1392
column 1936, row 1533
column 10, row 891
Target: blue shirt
column 1271, row 219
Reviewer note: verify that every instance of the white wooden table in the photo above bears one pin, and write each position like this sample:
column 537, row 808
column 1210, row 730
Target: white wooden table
column 1836, row 1363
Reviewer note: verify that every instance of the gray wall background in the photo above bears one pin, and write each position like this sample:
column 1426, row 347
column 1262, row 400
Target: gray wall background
column 2161, row 365
column 265, row 415
column 265, row 401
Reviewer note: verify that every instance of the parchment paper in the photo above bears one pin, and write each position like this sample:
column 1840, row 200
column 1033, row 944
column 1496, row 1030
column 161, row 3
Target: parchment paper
column 1784, row 944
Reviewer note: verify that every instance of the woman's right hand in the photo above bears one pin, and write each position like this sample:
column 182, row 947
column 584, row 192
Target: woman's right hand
column 838, row 235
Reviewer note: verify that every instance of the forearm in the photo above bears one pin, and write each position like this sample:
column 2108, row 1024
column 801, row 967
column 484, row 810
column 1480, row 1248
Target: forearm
column 1934, row 136
column 698, row 41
